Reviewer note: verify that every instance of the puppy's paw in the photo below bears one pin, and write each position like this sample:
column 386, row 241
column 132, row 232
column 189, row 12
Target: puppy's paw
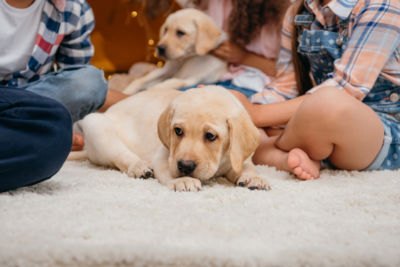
column 185, row 184
column 140, row 169
column 253, row 182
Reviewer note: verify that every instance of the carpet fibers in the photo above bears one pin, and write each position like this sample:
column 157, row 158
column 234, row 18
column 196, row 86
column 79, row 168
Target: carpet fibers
column 90, row 216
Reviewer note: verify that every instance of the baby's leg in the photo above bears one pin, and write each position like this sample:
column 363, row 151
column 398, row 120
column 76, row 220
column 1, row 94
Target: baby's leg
column 331, row 123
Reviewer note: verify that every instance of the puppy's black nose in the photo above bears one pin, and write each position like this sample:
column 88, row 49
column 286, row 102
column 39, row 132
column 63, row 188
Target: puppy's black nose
column 161, row 49
column 186, row 166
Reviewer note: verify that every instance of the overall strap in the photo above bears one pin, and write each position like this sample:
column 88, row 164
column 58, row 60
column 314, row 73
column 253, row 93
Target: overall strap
column 304, row 20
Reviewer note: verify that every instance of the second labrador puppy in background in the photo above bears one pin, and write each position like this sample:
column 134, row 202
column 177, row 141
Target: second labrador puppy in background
column 186, row 38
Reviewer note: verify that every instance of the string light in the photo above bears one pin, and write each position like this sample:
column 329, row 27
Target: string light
column 140, row 16
column 134, row 14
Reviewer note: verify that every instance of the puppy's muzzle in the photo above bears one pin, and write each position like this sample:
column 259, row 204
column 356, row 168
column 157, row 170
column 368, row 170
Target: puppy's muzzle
column 186, row 166
column 161, row 50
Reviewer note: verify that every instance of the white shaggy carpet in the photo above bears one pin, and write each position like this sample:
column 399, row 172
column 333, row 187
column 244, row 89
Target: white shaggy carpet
column 91, row 216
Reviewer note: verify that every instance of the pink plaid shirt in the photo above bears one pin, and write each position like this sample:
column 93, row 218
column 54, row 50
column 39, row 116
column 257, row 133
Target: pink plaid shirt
column 373, row 48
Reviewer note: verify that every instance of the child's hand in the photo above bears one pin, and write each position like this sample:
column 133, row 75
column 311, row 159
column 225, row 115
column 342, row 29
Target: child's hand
column 230, row 52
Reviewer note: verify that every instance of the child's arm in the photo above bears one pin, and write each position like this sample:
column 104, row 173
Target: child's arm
column 267, row 115
column 232, row 53
column 266, row 65
column 76, row 48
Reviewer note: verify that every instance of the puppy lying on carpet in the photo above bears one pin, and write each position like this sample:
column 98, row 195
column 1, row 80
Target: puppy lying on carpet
column 204, row 133
column 186, row 38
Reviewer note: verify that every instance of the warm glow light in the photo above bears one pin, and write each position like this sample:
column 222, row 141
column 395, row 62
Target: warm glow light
column 160, row 64
column 150, row 42
column 134, row 14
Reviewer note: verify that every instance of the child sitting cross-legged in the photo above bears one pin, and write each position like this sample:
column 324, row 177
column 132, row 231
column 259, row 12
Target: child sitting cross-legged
column 337, row 90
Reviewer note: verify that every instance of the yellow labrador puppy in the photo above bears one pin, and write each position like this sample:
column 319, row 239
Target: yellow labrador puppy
column 202, row 133
column 206, row 133
column 186, row 38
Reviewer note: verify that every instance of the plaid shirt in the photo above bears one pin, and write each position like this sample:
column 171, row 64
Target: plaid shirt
column 63, row 38
column 373, row 48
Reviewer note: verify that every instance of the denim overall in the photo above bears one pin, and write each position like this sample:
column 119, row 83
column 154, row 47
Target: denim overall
column 321, row 48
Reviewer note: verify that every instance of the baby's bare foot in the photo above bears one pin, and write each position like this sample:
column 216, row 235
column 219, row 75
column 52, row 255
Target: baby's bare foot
column 302, row 166
column 77, row 142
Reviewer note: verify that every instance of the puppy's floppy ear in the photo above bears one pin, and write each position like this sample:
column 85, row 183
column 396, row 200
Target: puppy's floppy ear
column 163, row 126
column 244, row 138
column 162, row 30
column 208, row 34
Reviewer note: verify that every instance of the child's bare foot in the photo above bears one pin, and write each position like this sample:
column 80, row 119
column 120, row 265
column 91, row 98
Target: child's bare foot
column 77, row 142
column 302, row 166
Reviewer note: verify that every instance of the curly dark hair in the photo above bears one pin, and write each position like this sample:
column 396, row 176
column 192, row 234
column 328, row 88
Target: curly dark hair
column 248, row 16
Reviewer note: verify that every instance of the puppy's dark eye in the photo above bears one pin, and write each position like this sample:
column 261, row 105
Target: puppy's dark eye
column 165, row 30
column 180, row 33
column 210, row 137
column 178, row 131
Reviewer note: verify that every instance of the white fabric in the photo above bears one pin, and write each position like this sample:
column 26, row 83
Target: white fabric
column 91, row 216
column 247, row 77
column 18, row 32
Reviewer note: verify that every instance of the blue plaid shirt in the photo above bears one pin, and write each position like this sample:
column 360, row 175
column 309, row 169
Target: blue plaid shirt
column 63, row 39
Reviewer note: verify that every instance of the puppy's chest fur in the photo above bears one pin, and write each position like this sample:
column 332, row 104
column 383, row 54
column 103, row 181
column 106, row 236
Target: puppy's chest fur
column 210, row 67
column 225, row 169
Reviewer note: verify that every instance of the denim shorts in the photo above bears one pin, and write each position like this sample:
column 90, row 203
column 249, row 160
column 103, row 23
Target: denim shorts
column 227, row 85
column 389, row 155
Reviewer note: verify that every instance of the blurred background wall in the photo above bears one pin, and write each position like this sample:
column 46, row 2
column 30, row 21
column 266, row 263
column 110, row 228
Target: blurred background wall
column 126, row 31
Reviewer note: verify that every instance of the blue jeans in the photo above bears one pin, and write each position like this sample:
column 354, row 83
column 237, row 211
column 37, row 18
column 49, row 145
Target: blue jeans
column 80, row 88
column 227, row 85
column 36, row 137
